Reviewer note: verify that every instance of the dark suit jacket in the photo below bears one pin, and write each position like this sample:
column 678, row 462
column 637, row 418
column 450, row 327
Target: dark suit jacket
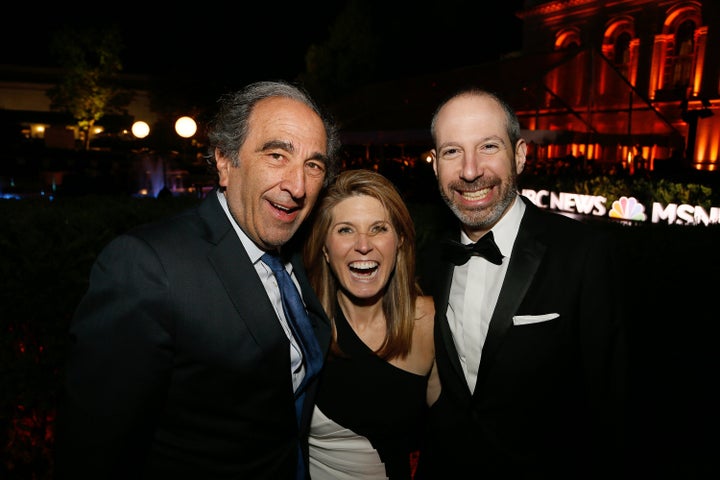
column 178, row 366
column 549, row 396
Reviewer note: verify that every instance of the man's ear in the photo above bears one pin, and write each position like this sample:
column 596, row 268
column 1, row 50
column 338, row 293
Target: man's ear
column 433, row 157
column 223, row 165
column 520, row 155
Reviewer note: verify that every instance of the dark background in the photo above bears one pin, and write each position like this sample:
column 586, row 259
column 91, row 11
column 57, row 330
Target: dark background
column 261, row 40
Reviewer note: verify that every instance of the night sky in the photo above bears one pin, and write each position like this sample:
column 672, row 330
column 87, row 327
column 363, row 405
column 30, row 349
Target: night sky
column 269, row 39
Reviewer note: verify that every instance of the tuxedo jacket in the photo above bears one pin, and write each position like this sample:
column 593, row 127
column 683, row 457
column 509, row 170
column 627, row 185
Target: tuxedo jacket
column 178, row 366
column 549, row 398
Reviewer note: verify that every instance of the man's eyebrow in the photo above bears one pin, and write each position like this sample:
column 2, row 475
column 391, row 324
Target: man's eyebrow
column 281, row 144
column 488, row 138
column 320, row 157
column 290, row 148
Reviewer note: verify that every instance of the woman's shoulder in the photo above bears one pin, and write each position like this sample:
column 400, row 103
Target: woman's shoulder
column 424, row 308
column 424, row 346
column 425, row 316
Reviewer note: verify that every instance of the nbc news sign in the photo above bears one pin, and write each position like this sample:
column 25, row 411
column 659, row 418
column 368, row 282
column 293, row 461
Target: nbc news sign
column 626, row 209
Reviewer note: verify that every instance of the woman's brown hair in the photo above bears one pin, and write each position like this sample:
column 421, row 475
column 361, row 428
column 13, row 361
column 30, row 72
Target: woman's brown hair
column 401, row 292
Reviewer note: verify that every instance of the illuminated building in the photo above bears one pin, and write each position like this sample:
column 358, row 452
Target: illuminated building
column 634, row 79
column 630, row 84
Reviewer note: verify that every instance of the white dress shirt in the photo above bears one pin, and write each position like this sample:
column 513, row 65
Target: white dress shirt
column 470, row 309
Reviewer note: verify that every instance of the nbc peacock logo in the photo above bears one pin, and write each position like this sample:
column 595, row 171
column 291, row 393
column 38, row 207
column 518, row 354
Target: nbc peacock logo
column 628, row 208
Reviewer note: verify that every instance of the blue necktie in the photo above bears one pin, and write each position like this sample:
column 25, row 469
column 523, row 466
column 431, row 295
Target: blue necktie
column 302, row 331
column 297, row 318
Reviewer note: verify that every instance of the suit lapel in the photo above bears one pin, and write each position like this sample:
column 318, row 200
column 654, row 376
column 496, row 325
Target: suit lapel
column 238, row 274
column 446, row 334
column 525, row 260
column 442, row 280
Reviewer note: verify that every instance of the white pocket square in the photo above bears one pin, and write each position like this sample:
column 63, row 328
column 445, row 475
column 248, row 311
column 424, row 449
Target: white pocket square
column 529, row 319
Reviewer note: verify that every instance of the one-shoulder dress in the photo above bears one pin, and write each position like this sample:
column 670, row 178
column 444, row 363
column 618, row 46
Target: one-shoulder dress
column 368, row 415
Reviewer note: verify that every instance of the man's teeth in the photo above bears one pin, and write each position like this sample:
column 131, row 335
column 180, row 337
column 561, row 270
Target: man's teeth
column 477, row 194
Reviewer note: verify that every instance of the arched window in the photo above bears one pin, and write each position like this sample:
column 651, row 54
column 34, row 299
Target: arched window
column 684, row 56
column 620, row 46
column 621, row 57
column 567, row 39
column 679, row 52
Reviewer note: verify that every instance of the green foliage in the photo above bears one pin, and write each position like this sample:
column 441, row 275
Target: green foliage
column 643, row 189
column 670, row 192
column 89, row 89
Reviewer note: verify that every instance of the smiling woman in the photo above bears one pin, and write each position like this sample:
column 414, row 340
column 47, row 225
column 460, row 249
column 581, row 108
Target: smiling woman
column 378, row 379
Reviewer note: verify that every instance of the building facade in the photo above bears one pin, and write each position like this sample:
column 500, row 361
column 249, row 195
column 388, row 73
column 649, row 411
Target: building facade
column 603, row 84
column 634, row 81
column 25, row 107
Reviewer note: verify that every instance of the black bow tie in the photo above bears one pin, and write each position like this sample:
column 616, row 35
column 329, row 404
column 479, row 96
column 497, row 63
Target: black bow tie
column 459, row 254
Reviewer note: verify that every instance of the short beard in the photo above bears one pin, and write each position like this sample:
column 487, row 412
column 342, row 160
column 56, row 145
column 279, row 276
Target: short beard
column 485, row 218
